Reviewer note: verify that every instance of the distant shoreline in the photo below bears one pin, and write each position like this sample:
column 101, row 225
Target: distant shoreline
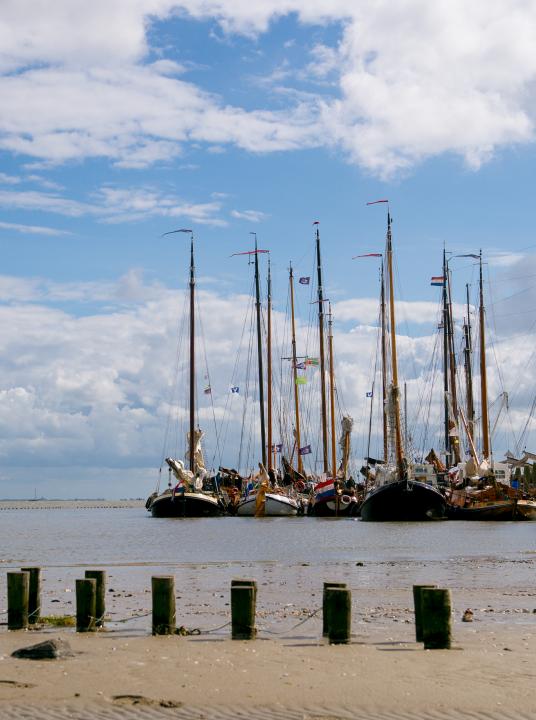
column 58, row 504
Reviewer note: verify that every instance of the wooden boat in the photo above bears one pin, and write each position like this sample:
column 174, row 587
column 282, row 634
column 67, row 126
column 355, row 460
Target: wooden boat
column 488, row 504
column 395, row 495
column 190, row 496
column 525, row 510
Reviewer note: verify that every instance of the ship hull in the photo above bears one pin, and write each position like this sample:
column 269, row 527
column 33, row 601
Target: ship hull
column 526, row 510
column 185, row 505
column 332, row 508
column 500, row 510
column 275, row 506
column 403, row 501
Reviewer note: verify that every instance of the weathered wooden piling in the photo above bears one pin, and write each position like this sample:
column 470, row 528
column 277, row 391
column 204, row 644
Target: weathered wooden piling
column 243, row 605
column 100, row 605
column 338, row 611
column 417, row 603
column 86, row 600
column 325, row 632
column 436, row 619
column 18, row 590
column 34, row 593
column 164, row 613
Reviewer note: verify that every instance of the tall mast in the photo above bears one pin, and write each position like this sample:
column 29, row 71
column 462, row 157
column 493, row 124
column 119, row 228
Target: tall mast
column 259, row 353
column 295, row 373
column 322, row 358
column 269, row 364
column 454, row 444
column 192, row 355
column 469, row 371
column 399, row 451
column 448, row 453
column 332, row 395
column 384, row 368
column 483, row 378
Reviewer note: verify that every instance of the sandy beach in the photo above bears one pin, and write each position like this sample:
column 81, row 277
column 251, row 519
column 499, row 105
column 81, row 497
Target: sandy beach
column 489, row 670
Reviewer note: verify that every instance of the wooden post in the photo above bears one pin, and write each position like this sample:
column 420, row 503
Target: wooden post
column 34, row 596
column 100, row 577
column 18, row 589
column 86, row 594
column 248, row 583
column 164, row 613
column 417, row 603
column 243, row 603
column 339, row 614
column 436, row 619
column 325, row 628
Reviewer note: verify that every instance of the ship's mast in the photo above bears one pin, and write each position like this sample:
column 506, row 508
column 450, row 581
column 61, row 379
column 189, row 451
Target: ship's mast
column 469, row 371
column 192, row 355
column 259, row 353
column 483, row 377
column 399, row 450
column 384, row 368
column 322, row 358
column 269, row 367
column 332, row 395
column 295, row 373
column 454, row 439
column 448, row 454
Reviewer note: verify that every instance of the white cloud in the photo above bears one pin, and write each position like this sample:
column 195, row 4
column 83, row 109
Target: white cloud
column 249, row 215
column 406, row 82
column 9, row 179
column 32, row 229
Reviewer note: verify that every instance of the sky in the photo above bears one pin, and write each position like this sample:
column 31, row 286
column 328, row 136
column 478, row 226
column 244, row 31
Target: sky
column 124, row 119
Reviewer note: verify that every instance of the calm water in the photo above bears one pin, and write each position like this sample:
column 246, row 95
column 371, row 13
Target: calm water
column 488, row 564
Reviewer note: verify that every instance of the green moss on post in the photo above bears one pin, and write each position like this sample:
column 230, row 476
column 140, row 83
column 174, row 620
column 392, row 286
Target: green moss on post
column 100, row 607
column 436, row 619
column 325, row 629
column 164, row 613
column 338, row 614
column 243, row 603
column 18, row 590
column 34, row 593
column 417, row 603
column 86, row 593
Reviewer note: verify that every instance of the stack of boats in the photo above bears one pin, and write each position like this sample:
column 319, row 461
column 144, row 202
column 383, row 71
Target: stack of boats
column 395, row 488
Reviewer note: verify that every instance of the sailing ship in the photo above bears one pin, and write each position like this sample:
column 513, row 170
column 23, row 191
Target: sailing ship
column 265, row 497
column 395, row 494
column 193, row 494
column 476, row 492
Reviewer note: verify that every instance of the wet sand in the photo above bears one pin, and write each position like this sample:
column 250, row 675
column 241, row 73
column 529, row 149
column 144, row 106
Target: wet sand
column 490, row 669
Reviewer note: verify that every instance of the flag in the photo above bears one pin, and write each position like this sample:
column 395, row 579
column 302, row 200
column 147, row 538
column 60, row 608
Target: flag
column 367, row 255
column 207, row 390
column 235, row 389
column 300, row 366
column 304, row 280
column 278, row 448
column 438, row 281
column 369, row 394
column 316, row 222
column 312, row 361
column 301, row 380
column 325, row 490
column 375, row 202
column 476, row 257
column 306, row 450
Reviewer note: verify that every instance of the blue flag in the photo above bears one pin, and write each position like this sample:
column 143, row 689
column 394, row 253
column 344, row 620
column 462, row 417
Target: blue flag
column 304, row 280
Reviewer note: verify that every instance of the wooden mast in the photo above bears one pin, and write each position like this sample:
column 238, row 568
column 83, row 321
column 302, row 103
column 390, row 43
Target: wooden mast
column 384, row 368
column 483, row 378
column 269, row 368
column 332, row 395
column 453, row 425
column 469, row 371
column 448, row 454
column 399, row 451
column 322, row 358
column 192, row 355
column 259, row 353
column 295, row 373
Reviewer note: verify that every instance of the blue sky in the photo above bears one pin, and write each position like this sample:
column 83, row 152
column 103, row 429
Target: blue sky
column 123, row 120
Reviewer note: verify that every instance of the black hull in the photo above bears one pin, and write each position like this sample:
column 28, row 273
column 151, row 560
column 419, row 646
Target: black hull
column 403, row 501
column 323, row 509
column 189, row 505
column 500, row 511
